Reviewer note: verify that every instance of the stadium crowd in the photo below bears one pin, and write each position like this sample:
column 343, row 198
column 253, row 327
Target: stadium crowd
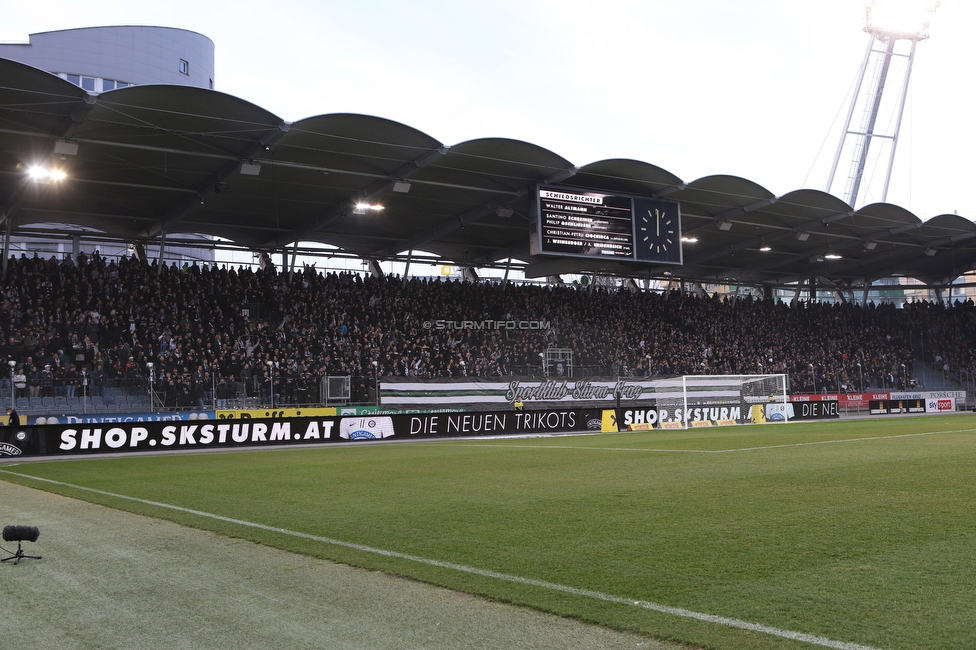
column 212, row 333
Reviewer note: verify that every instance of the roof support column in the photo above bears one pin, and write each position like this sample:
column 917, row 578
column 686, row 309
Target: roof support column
column 294, row 258
column 6, row 244
column 508, row 267
column 864, row 294
column 162, row 250
column 406, row 269
column 75, row 248
column 374, row 269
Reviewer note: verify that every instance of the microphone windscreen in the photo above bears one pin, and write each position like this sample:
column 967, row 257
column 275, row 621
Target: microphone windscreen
column 20, row 533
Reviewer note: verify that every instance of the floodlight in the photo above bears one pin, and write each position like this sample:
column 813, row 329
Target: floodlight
column 39, row 174
column 362, row 207
column 505, row 211
column 401, row 186
column 802, row 236
column 930, row 251
column 690, row 240
column 765, row 249
column 900, row 18
column 833, row 256
column 725, row 225
column 870, row 245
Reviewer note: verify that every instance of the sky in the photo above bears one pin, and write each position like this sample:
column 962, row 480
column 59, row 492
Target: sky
column 754, row 88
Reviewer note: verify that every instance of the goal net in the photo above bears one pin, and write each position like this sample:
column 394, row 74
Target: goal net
column 693, row 400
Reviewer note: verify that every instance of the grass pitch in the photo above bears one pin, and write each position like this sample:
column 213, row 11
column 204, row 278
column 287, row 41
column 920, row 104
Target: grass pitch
column 847, row 534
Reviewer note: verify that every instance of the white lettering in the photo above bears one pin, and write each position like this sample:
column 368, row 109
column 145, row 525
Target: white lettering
column 186, row 434
column 312, row 431
column 138, row 435
column 281, row 431
column 91, row 438
column 68, row 441
column 115, row 437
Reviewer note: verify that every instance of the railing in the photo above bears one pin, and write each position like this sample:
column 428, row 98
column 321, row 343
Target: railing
column 137, row 395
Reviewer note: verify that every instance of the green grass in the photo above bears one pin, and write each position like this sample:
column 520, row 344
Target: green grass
column 856, row 531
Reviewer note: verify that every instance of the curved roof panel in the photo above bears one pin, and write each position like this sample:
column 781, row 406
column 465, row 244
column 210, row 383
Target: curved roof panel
column 144, row 161
column 627, row 176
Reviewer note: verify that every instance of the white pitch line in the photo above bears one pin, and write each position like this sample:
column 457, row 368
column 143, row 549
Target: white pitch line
column 596, row 595
column 717, row 451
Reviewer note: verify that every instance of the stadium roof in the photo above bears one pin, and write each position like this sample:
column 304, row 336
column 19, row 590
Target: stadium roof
column 147, row 160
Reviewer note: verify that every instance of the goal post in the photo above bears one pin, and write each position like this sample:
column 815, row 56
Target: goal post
column 704, row 400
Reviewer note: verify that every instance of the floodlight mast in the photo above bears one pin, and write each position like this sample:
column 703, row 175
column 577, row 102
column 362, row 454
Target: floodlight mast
column 888, row 21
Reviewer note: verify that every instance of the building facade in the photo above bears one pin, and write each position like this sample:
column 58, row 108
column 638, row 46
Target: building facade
column 99, row 59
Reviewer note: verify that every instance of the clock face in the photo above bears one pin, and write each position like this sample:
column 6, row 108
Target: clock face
column 658, row 231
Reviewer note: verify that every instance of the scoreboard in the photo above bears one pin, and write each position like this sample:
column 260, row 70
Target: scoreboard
column 583, row 223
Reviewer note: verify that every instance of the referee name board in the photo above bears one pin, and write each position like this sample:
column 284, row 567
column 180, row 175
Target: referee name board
column 585, row 223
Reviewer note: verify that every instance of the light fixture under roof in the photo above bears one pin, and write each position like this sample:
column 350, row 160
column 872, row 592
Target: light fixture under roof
column 362, row 207
column 65, row 148
column 765, row 249
column 802, row 236
column 401, row 186
column 870, row 245
column 930, row 252
column 690, row 240
column 833, row 256
column 250, row 169
column 43, row 175
column 725, row 225
column 504, row 211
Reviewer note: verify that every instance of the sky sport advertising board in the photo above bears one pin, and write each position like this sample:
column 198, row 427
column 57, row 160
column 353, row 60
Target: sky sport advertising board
column 580, row 223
